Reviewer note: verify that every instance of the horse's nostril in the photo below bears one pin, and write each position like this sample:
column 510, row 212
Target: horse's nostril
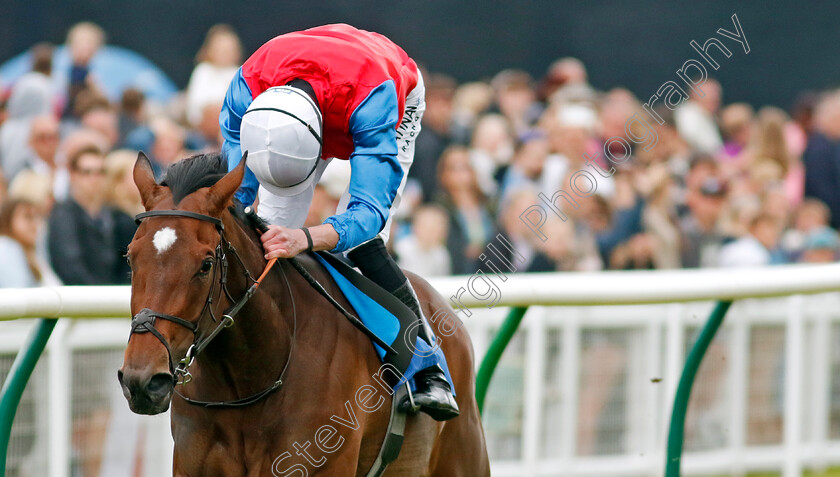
column 160, row 384
column 120, row 376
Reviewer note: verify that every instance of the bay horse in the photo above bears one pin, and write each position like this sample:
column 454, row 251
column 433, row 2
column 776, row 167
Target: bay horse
column 193, row 258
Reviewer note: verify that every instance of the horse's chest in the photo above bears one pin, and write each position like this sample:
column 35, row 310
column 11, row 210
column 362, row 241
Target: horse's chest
column 224, row 452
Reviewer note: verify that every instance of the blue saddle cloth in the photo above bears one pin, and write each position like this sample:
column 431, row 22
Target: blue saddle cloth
column 387, row 327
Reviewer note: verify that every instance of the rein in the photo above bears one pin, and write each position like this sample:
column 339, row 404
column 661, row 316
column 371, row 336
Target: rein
column 144, row 321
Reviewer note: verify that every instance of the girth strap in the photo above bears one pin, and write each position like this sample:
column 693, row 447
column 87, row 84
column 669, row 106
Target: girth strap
column 394, row 435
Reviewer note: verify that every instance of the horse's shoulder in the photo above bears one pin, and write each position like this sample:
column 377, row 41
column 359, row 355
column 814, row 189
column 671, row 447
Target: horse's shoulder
column 314, row 267
column 320, row 274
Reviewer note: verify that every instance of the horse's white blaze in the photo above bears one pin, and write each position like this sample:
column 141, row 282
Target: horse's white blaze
column 164, row 238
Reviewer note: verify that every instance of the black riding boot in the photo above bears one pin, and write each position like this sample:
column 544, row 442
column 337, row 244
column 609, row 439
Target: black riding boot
column 433, row 394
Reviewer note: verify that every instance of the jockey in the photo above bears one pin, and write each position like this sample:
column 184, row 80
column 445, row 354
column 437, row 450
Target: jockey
column 307, row 97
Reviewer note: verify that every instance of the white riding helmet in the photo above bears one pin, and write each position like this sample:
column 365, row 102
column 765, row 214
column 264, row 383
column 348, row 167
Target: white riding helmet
column 281, row 130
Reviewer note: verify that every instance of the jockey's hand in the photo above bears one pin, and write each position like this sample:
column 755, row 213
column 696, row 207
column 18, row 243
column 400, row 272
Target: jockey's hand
column 282, row 242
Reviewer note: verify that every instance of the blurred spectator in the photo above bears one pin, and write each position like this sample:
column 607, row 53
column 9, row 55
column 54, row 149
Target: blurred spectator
column 696, row 118
column 821, row 246
column 671, row 150
column 822, row 156
column 164, row 141
column 424, row 251
column 208, row 128
column 758, row 247
column 810, row 216
column 79, row 139
column 168, row 146
column 705, row 200
column 470, row 222
column 122, row 191
column 802, row 125
column 83, row 41
column 611, row 222
column 33, row 188
column 20, row 223
column 563, row 249
column 516, row 99
column 4, row 113
column 37, row 189
column 637, row 253
column 522, row 236
column 565, row 73
column 617, row 107
column 31, row 96
column 768, row 154
column 436, row 136
column 527, row 167
column 736, row 125
column 570, row 128
column 97, row 114
column 132, row 112
column 469, row 103
column 38, row 81
column 803, row 111
column 659, row 217
column 774, row 202
column 218, row 60
column 3, row 187
column 43, row 158
column 491, row 149
column 87, row 237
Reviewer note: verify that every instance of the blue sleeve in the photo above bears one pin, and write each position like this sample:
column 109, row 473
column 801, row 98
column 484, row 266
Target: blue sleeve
column 237, row 100
column 375, row 172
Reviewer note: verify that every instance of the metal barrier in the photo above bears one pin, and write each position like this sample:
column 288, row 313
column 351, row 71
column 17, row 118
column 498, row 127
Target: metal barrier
column 520, row 291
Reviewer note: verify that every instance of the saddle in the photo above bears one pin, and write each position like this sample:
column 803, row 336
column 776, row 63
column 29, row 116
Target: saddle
column 388, row 318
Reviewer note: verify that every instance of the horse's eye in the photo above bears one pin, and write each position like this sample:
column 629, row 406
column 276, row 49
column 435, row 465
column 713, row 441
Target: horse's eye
column 206, row 266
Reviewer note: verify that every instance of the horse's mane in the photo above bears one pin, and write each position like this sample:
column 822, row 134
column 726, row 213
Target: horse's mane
column 204, row 170
column 188, row 175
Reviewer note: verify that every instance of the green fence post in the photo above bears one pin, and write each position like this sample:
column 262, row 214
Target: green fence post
column 16, row 381
column 494, row 353
column 692, row 364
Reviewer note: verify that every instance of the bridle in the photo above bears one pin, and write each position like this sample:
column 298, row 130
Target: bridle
column 144, row 321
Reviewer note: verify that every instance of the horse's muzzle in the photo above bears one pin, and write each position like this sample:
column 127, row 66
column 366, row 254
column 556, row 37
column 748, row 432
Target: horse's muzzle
column 147, row 395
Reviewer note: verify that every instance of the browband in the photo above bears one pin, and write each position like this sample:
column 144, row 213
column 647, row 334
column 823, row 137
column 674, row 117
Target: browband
column 179, row 213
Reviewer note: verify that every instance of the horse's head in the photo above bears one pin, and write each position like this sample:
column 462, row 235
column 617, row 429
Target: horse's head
column 177, row 273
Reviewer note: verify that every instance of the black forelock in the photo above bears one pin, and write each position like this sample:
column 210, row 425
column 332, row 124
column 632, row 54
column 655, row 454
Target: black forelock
column 188, row 175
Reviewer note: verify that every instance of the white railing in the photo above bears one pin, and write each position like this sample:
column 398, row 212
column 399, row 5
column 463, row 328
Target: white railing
column 584, row 390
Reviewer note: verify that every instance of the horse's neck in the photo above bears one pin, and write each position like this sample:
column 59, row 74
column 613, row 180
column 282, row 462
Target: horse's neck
column 250, row 354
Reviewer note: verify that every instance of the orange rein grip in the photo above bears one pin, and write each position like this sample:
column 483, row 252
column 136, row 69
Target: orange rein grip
column 268, row 266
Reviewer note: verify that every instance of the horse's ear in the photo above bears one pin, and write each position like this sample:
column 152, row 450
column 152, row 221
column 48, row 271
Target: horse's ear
column 221, row 194
column 144, row 178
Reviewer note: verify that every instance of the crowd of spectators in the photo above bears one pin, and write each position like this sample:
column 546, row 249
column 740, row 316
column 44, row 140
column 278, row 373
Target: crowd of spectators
column 67, row 195
column 725, row 186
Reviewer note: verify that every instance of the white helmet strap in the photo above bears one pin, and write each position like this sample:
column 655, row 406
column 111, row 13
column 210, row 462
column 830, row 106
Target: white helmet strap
column 314, row 133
